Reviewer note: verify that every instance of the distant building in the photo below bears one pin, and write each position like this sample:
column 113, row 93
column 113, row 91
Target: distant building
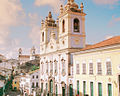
column 25, row 58
column 97, row 69
column 2, row 83
column 30, row 82
column 16, row 83
column 9, row 64
column 2, row 58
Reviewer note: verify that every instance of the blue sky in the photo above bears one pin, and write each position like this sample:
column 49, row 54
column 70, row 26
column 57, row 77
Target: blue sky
column 20, row 26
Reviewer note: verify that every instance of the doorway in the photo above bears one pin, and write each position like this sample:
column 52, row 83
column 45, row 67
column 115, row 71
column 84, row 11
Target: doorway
column 119, row 83
column 63, row 91
column 51, row 87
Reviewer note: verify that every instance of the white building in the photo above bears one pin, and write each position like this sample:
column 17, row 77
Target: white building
column 25, row 58
column 9, row 64
column 59, row 39
column 2, row 83
column 29, row 82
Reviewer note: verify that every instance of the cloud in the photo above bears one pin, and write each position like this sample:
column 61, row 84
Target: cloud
column 34, row 23
column 11, row 14
column 105, row 2
column 55, row 4
column 114, row 21
column 35, row 35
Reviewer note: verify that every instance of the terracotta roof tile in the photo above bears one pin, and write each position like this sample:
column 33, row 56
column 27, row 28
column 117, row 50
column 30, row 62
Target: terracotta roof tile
column 24, row 56
column 108, row 42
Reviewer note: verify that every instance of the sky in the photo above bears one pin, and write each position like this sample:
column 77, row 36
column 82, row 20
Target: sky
column 20, row 22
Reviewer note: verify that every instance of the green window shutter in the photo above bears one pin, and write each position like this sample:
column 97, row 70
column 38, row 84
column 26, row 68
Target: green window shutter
column 56, row 90
column 84, row 88
column 99, row 89
column 91, row 88
column 41, row 87
column 63, row 91
column 71, row 89
column 109, row 90
column 46, row 87
column 78, row 87
column 51, row 86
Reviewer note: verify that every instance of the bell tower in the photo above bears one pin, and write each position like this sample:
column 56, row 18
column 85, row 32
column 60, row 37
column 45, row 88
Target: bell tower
column 47, row 26
column 72, row 26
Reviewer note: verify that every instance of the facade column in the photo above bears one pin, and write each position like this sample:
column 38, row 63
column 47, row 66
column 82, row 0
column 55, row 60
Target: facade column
column 59, row 81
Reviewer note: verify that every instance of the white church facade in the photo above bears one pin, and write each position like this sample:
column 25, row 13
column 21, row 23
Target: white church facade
column 59, row 39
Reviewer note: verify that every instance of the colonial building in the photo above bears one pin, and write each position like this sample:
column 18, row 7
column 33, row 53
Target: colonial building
column 16, row 83
column 25, row 58
column 97, row 69
column 30, row 83
column 58, row 39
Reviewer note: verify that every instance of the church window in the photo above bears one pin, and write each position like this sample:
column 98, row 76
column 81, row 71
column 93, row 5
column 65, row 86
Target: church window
column 76, row 25
column 63, row 26
column 63, row 42
column 47, row 66
column 42, row 66
column 55, row 62
column 43, row 37
column 51, row 67
column 63, row 65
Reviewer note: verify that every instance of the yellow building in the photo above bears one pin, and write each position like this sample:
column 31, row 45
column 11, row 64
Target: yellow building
column 16, row 83
column 97, row 69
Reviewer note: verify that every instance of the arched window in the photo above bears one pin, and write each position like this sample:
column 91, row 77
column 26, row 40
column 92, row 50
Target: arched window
column 51, row 67
column 76, row 25
column 63, row 65
column 63, row 26
column 55, row 64
column 43, row 37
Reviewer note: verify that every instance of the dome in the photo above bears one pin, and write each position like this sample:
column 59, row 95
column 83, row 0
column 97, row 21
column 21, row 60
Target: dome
column 74, row 5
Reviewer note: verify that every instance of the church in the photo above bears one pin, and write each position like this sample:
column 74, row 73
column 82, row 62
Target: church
column 58, row 40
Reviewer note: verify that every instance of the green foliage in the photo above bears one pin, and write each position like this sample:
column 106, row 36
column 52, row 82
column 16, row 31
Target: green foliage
column 0, row 61
column 1, row 91
column 33, row 68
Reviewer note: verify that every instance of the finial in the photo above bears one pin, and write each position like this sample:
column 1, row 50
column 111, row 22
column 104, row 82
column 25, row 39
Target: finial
column 33, row 50
column 61, row 9
column 49, row 15
column 42, row 22
column 20, row 51
column 81, row 6
column 68, row 1
column 57, row 21
column 72, row 1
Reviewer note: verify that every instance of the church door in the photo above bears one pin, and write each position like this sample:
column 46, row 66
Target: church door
column 63, row 91
column 119, row 83
column 51, row 87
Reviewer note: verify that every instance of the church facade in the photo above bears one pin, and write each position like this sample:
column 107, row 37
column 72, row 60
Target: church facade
column 58, row 40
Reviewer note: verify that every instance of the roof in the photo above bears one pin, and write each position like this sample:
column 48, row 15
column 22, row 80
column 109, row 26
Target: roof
column 33, row 71
column 24, row 56
column 108, row 42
